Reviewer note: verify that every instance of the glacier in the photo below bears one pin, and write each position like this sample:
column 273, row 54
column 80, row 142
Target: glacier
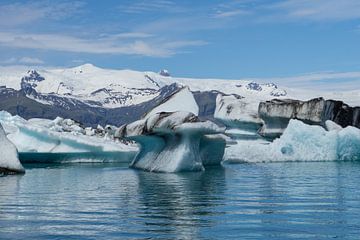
column 9, row 161
column 63, row 140
column 301, row 142
column 175, row 142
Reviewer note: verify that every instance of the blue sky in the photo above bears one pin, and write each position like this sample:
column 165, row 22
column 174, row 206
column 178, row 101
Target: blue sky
column 219, row 39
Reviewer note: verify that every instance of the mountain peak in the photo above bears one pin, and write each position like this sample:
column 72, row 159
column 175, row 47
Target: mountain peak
column 87, row 67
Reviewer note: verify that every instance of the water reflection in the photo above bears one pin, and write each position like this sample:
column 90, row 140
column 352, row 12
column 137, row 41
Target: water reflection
column 177, row 204
column 251, row 201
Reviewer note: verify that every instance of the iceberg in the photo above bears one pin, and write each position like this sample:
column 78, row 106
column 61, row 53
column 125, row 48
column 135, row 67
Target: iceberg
column 239, row 116
column 174, row 142
column 63, row 140
column 301, row 142
column 182, row 100
column 277, row 113
column 9, row 161
column 235, row 111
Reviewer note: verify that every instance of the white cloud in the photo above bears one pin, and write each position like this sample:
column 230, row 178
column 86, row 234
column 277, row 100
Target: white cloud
column 25, row 13
column 23, row 60
column 319, row 10
column 321, row 80
column 231, row 13
column 31, row 60
column 140, row 7
column 104, row 45
column 11, row 60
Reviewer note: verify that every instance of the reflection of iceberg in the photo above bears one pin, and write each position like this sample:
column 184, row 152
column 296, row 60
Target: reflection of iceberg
column 301, row 142
column 9, row 161
column 41, row 140
column 173, row 142
column 183, row 202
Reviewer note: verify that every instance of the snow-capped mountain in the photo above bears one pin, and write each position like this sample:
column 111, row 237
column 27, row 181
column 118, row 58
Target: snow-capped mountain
column 118, row 88
column 91, row 94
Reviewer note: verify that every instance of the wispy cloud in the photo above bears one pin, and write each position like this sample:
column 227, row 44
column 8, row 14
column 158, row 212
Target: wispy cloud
column 231, row 13
column 15, row 14
column 104, row 45
column 319, row 10
column 23, row 60
column 290, row 10
column 31, row 60
column 138, row 7
column 320, row 80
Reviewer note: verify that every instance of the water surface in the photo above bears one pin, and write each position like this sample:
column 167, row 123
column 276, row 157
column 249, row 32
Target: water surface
column 310, row 200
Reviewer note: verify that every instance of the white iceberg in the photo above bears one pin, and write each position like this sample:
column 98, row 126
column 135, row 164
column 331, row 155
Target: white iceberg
column 174, row 142
column 9, row 161
column 183, row 100
column 300, row 142
column 61, row 140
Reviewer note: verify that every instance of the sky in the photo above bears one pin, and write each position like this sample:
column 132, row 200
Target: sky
column 298, row 42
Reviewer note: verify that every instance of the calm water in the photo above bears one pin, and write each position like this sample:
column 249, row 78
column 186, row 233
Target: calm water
column 319, row 200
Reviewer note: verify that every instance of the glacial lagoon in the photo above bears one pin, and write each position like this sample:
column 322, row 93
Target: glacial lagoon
column 288, row 200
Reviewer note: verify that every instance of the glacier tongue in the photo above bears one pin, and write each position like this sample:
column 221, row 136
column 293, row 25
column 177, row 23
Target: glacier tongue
column 9, row 161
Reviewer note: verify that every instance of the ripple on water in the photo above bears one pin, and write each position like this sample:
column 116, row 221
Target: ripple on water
column 316, row 200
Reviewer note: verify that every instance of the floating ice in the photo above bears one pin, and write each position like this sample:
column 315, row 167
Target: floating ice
column 301, row 142
column 174, row 142
column 234, row 110
column 277, row 113
column 62, row 140
column 9, row 161
column 239, row 116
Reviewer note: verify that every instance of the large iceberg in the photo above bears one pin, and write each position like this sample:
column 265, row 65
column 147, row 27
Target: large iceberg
column 239, row 116
column 59, row 140
column 301, row 142
column 9, row 161
column 174, row 142
column 277, row 113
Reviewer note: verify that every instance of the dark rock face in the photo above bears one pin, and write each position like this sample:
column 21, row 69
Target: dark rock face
column 164, row 72
column 29, row 82
column 277, row 113
column 254, row 86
